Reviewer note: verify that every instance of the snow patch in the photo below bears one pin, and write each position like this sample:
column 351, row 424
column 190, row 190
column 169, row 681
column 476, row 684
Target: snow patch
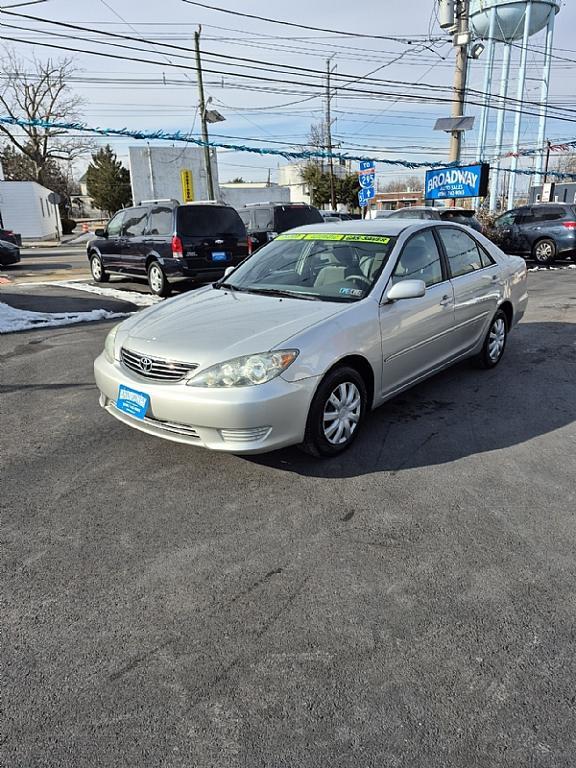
column 139, row 299
column 12, row 319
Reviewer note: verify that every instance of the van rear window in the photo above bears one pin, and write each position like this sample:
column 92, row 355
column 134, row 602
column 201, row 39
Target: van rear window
column 207, row 220
column 291, row 216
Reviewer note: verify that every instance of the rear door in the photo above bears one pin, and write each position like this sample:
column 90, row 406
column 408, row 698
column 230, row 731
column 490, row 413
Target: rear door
column 475, row 278
column 213, row 237
column 417, row 334
column 159, row 231
column 133, row 245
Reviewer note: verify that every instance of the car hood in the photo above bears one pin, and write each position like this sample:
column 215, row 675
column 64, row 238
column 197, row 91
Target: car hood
column 211, row 325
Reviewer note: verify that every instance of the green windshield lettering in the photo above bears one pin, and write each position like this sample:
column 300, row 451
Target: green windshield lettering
column 333, row 236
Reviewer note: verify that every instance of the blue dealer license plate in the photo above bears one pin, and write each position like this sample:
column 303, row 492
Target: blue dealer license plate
column 219, row 256
column 132, row 402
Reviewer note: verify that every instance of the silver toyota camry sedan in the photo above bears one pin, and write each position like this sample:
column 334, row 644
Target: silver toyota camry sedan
column 297, row 344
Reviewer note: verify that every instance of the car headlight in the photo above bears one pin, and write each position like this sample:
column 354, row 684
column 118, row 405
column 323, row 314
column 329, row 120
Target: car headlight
column 109, row 344
column 245, row 371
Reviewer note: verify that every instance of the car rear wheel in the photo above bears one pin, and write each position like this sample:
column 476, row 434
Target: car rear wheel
column 157, row 280
column 97, row 268
column 544, row 251
column 495, row 342
column 336, row 413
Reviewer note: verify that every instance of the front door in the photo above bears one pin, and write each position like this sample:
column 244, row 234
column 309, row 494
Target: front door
column 417, row 333
column 476, row 282
column 110, row 247
column 133, row 253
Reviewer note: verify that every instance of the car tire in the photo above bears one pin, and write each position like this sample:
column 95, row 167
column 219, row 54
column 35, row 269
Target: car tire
column 336, row 413
column 544, row 251
column 494, row 343
column 99, row 274
column 157, row 280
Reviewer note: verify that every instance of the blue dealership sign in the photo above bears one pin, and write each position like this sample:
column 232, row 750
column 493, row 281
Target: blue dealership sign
column 449, row 183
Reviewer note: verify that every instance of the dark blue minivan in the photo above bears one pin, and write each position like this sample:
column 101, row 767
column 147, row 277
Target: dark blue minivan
column 167, row 242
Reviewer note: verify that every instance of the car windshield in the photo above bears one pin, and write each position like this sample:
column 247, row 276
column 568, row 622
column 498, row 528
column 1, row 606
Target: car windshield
column 209, row 220
column 292, row 216
column 316, row 266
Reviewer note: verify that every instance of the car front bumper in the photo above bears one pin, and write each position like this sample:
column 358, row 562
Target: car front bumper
column 241, row 420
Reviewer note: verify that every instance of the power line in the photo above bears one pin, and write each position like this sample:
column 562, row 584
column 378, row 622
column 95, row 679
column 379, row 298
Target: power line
column 302, row 26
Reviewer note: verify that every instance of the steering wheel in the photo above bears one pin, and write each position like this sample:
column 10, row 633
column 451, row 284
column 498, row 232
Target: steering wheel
column 362, row 279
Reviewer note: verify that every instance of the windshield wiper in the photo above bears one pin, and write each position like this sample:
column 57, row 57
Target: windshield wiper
column 228, row 286
column 291, row 294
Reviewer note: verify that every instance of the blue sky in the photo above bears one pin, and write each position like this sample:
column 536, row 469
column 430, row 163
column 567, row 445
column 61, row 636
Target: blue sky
column 143, row 95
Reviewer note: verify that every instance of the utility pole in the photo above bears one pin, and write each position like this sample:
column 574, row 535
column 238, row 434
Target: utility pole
column 547, row 161
column 461, row 40
column 207, row 160
column 329, row 135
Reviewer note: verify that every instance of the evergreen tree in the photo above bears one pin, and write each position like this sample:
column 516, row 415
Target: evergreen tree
column 108, row 182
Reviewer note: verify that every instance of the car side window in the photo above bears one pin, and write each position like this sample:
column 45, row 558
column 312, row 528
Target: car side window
column 115, row 224
column 135, row 222
column 419, row 260
column 506, row 220
column 548, row 213
column 262, row 218
column 462, row 251
column 485, row 258
column 245, row 216
column 160, row 221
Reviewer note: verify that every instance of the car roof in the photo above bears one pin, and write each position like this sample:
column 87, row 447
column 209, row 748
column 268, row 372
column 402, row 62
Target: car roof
column 388, row 227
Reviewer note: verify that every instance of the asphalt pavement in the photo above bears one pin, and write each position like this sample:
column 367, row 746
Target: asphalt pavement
column 409, row 604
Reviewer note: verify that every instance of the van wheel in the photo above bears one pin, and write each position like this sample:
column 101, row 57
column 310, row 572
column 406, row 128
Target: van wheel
column 336, row 413
column 97, row 268
column 157, row 281
column 544, row 251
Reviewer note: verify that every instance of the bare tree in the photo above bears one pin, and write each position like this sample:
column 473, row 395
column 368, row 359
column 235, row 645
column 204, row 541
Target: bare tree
column 39, row 90
column 410, row 184
column 566, row 163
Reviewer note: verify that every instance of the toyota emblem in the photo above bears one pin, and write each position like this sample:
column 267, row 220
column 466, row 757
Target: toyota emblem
column 145, row 364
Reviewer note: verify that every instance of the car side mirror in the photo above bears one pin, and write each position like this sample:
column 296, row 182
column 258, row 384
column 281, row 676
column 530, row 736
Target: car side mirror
column 228, row 271
column 407, row 289
column 100, row 233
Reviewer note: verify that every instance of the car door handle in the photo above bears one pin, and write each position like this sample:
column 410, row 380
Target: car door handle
column 445, row 301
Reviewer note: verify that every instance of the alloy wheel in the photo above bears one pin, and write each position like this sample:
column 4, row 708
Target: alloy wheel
column 544, row 252
column 96, row 268
column 497, row 339
column 342, row 413
column 156, row 279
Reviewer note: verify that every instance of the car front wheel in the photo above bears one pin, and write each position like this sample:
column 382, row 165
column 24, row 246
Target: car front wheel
column 97, row 269
column 157, row 280
column 336, row 413
column 495, row 342
column 544, row 251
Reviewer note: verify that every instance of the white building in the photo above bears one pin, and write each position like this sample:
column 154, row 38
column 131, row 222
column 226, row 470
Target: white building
column 246, row 192
column 25, row 209
column 291, row 176
column 155, row 172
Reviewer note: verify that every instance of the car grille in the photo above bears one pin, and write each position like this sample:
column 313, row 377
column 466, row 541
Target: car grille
column 155, row 368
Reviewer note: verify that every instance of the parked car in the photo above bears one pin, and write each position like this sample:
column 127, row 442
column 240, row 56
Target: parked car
column 264, row 221
column 9, row 253
column 8, row 236
column 464, row 216
column 168, row 242
column 543, row 231
column 302, row 340
column 330, row 215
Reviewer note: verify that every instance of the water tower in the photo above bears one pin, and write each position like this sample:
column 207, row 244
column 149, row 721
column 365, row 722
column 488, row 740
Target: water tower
column 502, row 23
